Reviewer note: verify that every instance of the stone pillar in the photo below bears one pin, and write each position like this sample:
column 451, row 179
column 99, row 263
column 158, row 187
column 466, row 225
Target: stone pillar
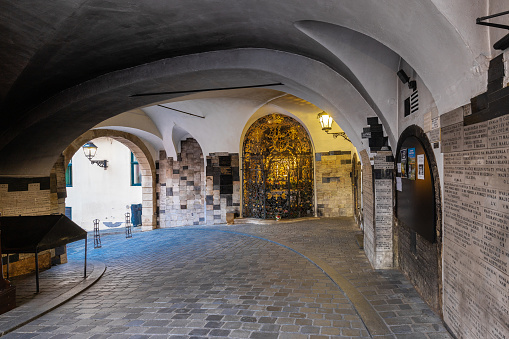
column 147, row 200
column 223, row 186
column 377, row 199
column 383, row 173
column 58, row 191
column 181, row 187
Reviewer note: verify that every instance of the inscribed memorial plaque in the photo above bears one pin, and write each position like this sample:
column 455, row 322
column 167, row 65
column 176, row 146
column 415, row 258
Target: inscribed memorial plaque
column 476, row 230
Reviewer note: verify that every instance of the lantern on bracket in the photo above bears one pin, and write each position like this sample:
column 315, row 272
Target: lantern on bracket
column 326, row 121
column 90, row 149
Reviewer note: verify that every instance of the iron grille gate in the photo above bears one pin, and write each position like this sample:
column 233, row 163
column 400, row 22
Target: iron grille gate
column 277, row 169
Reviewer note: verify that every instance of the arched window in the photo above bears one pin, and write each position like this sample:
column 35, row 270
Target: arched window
column 68, row 174
column 135, row 171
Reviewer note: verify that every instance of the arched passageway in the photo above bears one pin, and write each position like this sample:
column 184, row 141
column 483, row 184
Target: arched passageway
column 343, row 56
column 277, row 169
column 418, row 214
column 145, row 161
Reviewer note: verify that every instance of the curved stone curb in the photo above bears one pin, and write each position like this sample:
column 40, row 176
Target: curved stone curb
column 369, row 316
column 28, row 312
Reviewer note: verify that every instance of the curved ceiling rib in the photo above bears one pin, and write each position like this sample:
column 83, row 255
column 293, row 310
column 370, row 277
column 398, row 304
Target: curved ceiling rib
column 177, row 135
column 79, row 41
column 369, row 65
column 96, row 100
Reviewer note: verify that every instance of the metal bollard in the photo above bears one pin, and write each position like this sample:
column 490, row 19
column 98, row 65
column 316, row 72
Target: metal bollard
column 97, row 235
column 128, row 226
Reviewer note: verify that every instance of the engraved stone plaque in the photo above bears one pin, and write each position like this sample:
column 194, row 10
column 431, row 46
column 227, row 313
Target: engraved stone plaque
column 452, row 138
column 476, row 230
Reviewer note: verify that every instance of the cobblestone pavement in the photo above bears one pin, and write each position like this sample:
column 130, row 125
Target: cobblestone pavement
column 388, row 291
column 53, row 283
column 200, row 282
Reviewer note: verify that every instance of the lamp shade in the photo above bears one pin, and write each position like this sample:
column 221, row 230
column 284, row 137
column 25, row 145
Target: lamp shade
column 89, row 149
column 325, row 120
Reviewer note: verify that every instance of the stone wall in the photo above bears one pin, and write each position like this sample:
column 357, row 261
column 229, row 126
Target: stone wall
column 31, row 197
column 334, row 196
column 476, row 228
column 419, row 259
column 475, row 143
column 181, row 187
column 223, row 186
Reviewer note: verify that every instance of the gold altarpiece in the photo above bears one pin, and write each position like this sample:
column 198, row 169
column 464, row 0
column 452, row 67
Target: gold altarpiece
column 277, row 169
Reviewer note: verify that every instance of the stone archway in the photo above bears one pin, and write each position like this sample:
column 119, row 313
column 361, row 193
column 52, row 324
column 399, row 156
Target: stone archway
column 145, row 160
column 419, row 251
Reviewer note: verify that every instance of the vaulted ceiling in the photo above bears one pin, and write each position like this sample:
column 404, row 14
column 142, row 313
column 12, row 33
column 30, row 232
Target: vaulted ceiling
column 67, row 66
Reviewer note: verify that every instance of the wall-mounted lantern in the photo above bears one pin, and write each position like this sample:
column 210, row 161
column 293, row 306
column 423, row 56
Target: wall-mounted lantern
column 90, row 149
column 326, row 121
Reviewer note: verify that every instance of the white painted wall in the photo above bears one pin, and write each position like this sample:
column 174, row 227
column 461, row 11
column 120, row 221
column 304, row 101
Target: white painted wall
column 426, row 105
column 225, row 123
column 102, row 194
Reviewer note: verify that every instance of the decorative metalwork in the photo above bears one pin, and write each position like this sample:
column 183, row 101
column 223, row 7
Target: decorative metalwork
column 277, row 169
column 97, row 235
column 128, row 226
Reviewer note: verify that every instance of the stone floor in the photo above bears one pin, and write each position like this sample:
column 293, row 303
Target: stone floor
column 53, row 283
column 230, row 281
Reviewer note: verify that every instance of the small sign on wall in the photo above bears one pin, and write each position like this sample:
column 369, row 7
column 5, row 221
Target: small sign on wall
column 435, row 123
column 403, row 158
column 366, row 135
column 411, row 164
column 420, row 166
